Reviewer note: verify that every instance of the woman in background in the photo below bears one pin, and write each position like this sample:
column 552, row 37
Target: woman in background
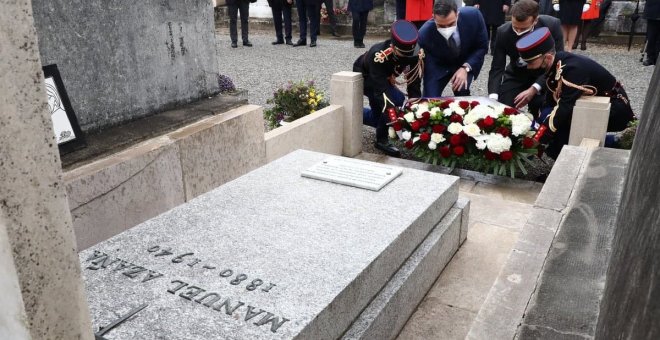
column 570, row 15
column 588, row 22
column 419, row 11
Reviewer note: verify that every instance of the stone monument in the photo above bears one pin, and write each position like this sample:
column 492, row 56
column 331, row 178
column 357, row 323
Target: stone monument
column 275, row 255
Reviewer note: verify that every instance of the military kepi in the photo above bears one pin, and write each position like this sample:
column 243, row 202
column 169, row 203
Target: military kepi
column 404, row 36
column 535, row 44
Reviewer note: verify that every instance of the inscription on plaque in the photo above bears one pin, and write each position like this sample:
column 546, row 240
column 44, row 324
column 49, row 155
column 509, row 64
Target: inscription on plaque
column 353, row 172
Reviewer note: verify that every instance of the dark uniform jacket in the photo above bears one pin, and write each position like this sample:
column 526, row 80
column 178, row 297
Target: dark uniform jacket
column 572, row 76
column 492, row 10
column 652, row 10
column 505, row 45
column 377, row 65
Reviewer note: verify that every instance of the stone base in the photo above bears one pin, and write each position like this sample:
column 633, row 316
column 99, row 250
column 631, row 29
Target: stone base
column 389, row 311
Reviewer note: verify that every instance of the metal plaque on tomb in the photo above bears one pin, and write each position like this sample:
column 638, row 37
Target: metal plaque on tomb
column 269, row 255
column 353, row 172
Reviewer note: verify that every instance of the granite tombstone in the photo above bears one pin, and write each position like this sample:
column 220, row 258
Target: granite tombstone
column 275, row 255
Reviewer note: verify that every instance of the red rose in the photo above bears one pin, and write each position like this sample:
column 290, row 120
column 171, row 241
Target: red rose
column 527, row 143
column 510, row 111
column 488, row 121
column 446, row 103
column 506, row 155
column 409, row 144
column 473, row 104
column 456, row 118
column 426, row 115
column 424, row 122
column 459, row 151
column 503, row 131
column 425, row 137
column 415, row 125
column 489, row 155
column 464, row 137
column 464, row 104
column 445, row 151
column 397, row 126
column 439, row 128
column 455, row 140
column 480, row 124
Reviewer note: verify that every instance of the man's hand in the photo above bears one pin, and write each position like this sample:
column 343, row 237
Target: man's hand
column 476, row 6
column 505, row 8
column 524, row 97
column 459, row 79
column 585, row 7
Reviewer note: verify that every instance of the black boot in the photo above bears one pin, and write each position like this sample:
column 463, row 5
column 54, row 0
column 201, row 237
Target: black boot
column 386, row 147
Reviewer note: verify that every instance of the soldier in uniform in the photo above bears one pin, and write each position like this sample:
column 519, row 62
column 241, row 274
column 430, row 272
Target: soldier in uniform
column 380, row 66
column 569, row 77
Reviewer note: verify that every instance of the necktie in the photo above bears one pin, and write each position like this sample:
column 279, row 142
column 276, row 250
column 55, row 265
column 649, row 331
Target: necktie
column 451, row 43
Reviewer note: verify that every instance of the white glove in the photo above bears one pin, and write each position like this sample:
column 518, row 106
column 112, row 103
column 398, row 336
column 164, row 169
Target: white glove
column 494, row 96
column 555, row 7
column 585, row 7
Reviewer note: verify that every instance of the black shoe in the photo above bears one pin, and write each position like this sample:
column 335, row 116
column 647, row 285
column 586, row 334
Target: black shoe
column 278, row 42
column 312, row 44
column 648, row 63
column 335, row 34
column 234, row 45
column 247, row 44
column 583, row 46
column 288, row 42
column 300, row 42
column 358, row 45
column 388, row 149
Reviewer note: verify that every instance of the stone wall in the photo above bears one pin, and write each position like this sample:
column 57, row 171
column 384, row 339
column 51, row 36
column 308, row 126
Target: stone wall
column 124, row 59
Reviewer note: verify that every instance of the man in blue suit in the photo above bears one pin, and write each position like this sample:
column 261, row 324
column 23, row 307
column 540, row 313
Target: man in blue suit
column 455, row 43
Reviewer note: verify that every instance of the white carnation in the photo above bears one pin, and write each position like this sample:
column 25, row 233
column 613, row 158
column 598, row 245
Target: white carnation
column 520, row 124
column 447, row 112
column 432, row 145
column 472, row 130
column 420, row 107
column 471, row 117
column 437, row 138
column 391, row 132
column 481, row 142
column 455, row 128
column 410, row 117
column 483, row 111
column 406, row 135
column 456, row 108
column 435, row 112
column 497, row 143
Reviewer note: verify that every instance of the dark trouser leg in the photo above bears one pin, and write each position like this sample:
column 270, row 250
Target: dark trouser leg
column 652, row 36
column 355, row 27
column 302, row 19
column 400, row 9
column 277, row 21
column 233, row 16
column 363, row 25
column 397, row 97
column 286, row 10
column 314, row 18
column 586, row 31
column 329, row 6
column 492, row 34
column 244, row 8
column 620, row 113
column 580, row 31
column 558, row 141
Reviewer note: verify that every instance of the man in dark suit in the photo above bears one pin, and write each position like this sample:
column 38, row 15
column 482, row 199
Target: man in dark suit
column 514, row 84
column 281, row 9
column 455, row 43
column 570, row 76
column 652, row 15
column 308, row 9
column 234, row 6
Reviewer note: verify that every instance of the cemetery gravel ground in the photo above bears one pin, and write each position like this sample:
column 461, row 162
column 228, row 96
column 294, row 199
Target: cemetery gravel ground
column 263, row 68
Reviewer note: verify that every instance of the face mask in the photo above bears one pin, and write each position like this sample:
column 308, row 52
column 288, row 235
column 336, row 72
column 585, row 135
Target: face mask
column 447, row 31
column 523, row 32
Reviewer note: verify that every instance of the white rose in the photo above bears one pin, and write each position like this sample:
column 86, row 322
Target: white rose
column 481, row 141
column 437, row 138
column 472, row 130
column 471, row 117
column 435, row 112
column 410, row 117
column 455, row 128
column 497, row 143
column 447, row 112
column 406, row 135
column 391, row 132
column 456, row 108
column 483, row 111
column 520, row 124
column 432, row 145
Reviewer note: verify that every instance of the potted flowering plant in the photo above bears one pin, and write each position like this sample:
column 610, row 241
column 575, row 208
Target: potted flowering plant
column 294, row 101
column 495, row 139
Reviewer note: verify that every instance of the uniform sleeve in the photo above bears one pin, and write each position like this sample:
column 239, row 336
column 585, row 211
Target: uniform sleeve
column 498, row 64
column 561, row 115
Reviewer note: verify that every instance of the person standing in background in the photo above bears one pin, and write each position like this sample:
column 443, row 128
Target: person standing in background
column 360, row 11
column 332, row 18
column 281, row 8
column 419, row 11
column 493, row 12
column 235, row 6
column 308, row 9
column 588, row 21
column 570, row 15
column 652, row 16
column 400, row 9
